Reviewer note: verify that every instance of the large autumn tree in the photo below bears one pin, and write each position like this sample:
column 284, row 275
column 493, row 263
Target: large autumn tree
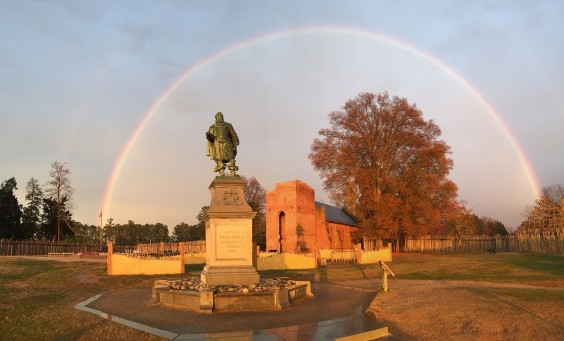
column 385, row 163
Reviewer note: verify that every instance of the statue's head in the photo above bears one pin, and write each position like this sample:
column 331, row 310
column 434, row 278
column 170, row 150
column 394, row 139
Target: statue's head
column 219, row 117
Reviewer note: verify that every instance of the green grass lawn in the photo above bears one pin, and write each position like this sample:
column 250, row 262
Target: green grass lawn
column 37, row 301
column 529, row 269
column 37, row 297
column 544, row 270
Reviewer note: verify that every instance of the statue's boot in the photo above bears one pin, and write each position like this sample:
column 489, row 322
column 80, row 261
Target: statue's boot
column 218, row 166
column 232, row 167
column 221, row 168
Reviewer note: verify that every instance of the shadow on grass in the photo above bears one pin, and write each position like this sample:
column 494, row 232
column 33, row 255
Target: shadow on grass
column 362, row 270
column 549, row 265
column 193, row 268
column 496, row 295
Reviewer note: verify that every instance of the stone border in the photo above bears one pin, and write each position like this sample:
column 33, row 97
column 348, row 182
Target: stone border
column 208, row 300
column 353, row 322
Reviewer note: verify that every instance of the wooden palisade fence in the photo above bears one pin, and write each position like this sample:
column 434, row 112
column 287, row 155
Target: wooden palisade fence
column 512, row 243
column 527, row 243
column 41, row 248
column 197, row 246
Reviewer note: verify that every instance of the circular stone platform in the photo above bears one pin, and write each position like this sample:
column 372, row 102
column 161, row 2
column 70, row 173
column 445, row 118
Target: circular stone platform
column 192, row 293
column 335, row 312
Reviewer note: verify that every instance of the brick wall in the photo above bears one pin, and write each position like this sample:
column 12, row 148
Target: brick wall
column 291, row 212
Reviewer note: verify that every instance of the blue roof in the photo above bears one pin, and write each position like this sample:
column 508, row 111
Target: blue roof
column 336, row 214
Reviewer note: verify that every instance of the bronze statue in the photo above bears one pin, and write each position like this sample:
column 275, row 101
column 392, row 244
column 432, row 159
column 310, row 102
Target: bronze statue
column 222, row 145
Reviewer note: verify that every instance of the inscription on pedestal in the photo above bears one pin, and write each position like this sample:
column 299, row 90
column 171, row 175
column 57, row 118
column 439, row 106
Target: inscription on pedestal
column 231, row 243
column 229, row 240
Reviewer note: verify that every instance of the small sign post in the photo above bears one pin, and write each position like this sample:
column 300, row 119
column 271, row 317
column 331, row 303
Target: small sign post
column 387, row 271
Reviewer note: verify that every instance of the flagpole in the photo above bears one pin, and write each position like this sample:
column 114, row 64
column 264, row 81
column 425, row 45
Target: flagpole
column 100, row 230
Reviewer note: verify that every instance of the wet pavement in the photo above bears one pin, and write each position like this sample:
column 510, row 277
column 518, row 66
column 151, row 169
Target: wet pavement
column 333, row 312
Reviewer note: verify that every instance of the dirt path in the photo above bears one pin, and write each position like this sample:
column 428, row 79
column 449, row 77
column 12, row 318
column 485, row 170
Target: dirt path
column 467, row 310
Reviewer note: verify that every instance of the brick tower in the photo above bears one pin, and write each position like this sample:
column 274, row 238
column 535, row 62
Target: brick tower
column 290, row 218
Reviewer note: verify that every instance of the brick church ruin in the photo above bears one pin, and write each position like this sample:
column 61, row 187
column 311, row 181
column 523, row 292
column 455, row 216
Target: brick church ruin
column 295, row 222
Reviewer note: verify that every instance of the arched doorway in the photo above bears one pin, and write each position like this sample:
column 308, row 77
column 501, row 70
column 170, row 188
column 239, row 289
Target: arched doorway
column 281, row 229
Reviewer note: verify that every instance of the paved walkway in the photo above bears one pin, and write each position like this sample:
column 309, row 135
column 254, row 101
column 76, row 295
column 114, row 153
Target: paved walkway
column 334, row 312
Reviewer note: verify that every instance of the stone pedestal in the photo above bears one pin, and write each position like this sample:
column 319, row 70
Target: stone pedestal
column 229, row 235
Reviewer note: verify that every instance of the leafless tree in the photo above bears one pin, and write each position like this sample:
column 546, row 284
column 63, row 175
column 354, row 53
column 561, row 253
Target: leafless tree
column 255, row 195
column 554, row 193
column 59, row 189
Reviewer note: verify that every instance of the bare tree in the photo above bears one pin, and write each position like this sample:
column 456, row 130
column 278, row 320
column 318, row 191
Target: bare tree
column 547, row 213
column 60, row 191
column 554, row 193
column 255, row 195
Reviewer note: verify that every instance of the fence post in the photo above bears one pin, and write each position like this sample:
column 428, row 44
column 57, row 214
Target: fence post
column 110, row 258
column 358, row 251
column 182, row 261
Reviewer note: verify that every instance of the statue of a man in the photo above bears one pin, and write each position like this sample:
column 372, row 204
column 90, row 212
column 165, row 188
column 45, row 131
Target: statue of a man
column 222, row 145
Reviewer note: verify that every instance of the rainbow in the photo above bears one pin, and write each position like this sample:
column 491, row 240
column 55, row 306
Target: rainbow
column 122, row 158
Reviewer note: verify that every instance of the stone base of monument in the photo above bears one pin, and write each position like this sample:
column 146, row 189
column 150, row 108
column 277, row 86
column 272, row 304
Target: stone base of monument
column 218, row 298
column 227, row 275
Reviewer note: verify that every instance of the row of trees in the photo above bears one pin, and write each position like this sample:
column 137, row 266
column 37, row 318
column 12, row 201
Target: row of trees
column 467, row 224
column 132, row 233
column 48, row 215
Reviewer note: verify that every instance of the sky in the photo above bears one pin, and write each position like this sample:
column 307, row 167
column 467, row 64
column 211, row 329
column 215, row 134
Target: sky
column 123, row 92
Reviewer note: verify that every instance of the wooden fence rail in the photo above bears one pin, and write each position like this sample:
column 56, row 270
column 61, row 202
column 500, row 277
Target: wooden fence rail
column 343, row 256
column 196, row 246
column 41, row 248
